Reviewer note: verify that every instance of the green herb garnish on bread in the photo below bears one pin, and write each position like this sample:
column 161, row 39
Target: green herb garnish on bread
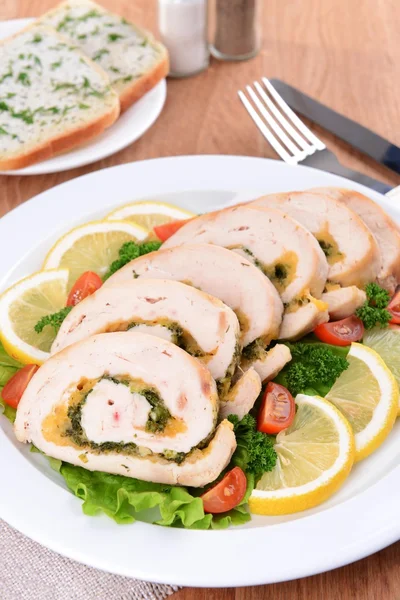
column 134, row 61
column 46, row 110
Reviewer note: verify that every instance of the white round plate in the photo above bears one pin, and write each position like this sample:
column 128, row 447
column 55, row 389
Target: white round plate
column 360, row 519
column 126, row 130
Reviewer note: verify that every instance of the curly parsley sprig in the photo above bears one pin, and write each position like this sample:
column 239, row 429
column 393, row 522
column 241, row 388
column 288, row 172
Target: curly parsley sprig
column 129, row 251
column 373, row 312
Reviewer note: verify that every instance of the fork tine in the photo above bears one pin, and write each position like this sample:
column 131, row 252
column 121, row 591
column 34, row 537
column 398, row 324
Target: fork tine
column 294, row 118
column 269, row 136
column 283, row 121
column 300, row 155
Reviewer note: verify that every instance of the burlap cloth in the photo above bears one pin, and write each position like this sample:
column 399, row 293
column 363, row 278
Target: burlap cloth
column 29, row 571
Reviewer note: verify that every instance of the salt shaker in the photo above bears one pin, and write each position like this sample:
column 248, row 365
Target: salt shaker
column 235, row 28
column 184, row 31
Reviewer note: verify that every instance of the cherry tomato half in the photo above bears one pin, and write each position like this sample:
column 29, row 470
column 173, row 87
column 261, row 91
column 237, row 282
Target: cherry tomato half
column 277, row 409
column 227, row 493
column 15, row 387
column 165, row 231
column 84, row 286
column 341, row 333
column 394, row 308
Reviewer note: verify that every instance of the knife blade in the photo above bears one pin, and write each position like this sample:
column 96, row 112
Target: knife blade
column 353, row 133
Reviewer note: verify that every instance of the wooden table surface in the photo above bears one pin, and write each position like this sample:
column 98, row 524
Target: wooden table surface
column 342, row 52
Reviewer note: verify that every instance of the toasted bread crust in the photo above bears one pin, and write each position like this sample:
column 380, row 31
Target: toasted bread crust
column 61, row 143
column 139, row 88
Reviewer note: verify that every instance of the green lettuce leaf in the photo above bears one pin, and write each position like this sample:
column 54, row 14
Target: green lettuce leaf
column 54, row 463
column 123, row 498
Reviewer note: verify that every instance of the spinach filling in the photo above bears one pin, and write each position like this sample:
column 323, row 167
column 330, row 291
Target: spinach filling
column 296, row 303
column 175, row 328
column 330, row 250
column 327, row 248
column 158, row 418
column 180, row 337
column 159, row 414
column 277, row 273
column 254, row 351
column 174, row 456
column 224, row 383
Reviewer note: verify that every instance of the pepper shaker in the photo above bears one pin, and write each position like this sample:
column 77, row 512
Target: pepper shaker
column 183, row 29
column 235, row 28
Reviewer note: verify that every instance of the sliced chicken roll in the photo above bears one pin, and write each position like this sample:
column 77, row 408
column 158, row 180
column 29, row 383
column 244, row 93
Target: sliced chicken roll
column 349, row 245
column 242, row 396
column 382, row 226
column 200, row 323
column 267, row 363
column 221, row 273
column 343, row 302
column 278, row 245
column 130, row 404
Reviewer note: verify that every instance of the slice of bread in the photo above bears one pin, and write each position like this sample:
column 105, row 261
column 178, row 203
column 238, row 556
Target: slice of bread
column 52, row 98
column 133, row 59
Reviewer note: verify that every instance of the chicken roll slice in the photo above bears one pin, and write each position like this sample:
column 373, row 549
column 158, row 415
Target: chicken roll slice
column 242, row 395
column 267, row 363
column 382, row 226
column 130, row 404
column 278, row 245
column 343, row 302
column 221, row 273
column 350, row 247
column 200, row 323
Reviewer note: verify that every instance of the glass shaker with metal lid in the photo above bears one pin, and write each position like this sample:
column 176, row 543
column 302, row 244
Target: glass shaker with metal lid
column 235, row 28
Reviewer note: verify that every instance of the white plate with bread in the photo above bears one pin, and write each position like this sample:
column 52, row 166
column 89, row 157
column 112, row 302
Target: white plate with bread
column 76, row 85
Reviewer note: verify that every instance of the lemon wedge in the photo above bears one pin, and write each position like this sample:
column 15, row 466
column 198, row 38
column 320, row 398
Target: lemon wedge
column 368, row 396
column 315, row 455
column 149, row 214
column 91, row 247
column 386, row 342
column 21, row 307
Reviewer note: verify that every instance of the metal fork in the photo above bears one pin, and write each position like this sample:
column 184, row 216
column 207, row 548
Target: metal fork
column 291, row 139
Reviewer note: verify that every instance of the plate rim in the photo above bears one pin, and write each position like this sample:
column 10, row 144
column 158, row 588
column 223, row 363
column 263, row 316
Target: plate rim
column 39, row 168
column 368, row 539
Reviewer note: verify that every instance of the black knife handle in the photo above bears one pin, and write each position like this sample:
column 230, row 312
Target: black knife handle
column 353, row 133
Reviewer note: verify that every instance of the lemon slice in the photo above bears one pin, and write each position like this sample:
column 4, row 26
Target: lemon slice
column 91, row 247
column 386, row 342
column 367, row 395
column 149, row 214
column 315, row 455
column 21, row 307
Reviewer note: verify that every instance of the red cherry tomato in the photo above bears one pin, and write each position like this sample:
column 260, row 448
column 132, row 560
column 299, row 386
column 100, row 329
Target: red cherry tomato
column 227, row 493
column 341, row 333
column 277, row 409
column 165, row 231
column 15, row 387
column 84, row 286
column 394, row 308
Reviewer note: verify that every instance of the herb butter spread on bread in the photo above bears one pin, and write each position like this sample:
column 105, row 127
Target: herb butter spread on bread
column 132, row 58
column 52, row 97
